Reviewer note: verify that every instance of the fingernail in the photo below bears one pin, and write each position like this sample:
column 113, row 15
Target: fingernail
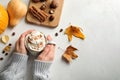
column 49, row 38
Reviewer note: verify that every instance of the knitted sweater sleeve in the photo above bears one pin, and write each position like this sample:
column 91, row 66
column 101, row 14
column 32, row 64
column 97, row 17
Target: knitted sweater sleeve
column 41, row 70
column 16, row 69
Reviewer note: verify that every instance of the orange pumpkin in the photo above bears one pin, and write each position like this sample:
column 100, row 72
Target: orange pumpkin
column 3, row 19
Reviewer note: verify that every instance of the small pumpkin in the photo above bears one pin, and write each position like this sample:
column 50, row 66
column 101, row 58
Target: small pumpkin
column 16, row 10
column 3, row 19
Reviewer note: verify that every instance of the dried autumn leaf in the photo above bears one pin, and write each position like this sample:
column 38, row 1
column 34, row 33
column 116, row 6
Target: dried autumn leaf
column 67, row 58
column 72, row 55
column 69, row 33
column 71, row 48
column 7, row 49
column 69, row 54
column 75, row 31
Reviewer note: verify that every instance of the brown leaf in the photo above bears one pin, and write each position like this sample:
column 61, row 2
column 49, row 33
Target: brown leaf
column 71, row 48
column 67, row 58
column 69, row 54
column 73, row 55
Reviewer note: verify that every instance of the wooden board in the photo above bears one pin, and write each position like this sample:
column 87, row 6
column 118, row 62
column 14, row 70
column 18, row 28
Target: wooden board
column 47, row 23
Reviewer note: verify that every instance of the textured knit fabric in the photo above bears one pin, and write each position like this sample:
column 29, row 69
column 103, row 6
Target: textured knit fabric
column 17, row 69
column 41, row 70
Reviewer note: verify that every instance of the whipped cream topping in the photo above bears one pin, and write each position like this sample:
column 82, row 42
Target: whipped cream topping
column 35, row 41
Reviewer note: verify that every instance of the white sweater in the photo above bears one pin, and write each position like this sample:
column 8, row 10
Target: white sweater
column 17, row 69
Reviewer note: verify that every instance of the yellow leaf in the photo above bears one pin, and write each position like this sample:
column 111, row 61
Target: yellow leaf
column 69, row 34
column 75, row 31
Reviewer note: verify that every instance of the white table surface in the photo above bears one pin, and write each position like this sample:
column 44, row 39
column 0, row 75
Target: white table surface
column 99, row 53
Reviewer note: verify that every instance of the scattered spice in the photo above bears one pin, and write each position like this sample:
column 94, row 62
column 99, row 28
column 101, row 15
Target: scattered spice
column 1, row 58
column 13, row 34
column 43, row 7
column 54, row 4
column 9, row 44
column 3, row 51
column 61, row 30
column 6, row 54
column 51, row 18
column 40, row 15
column 51, row 11
column 7, row 49
column 56, row 34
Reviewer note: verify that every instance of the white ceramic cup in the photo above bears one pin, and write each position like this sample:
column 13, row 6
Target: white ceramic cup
column 35, row 42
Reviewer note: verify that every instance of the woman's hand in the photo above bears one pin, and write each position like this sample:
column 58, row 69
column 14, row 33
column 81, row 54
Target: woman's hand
column 49, row 51
column 20, row 46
